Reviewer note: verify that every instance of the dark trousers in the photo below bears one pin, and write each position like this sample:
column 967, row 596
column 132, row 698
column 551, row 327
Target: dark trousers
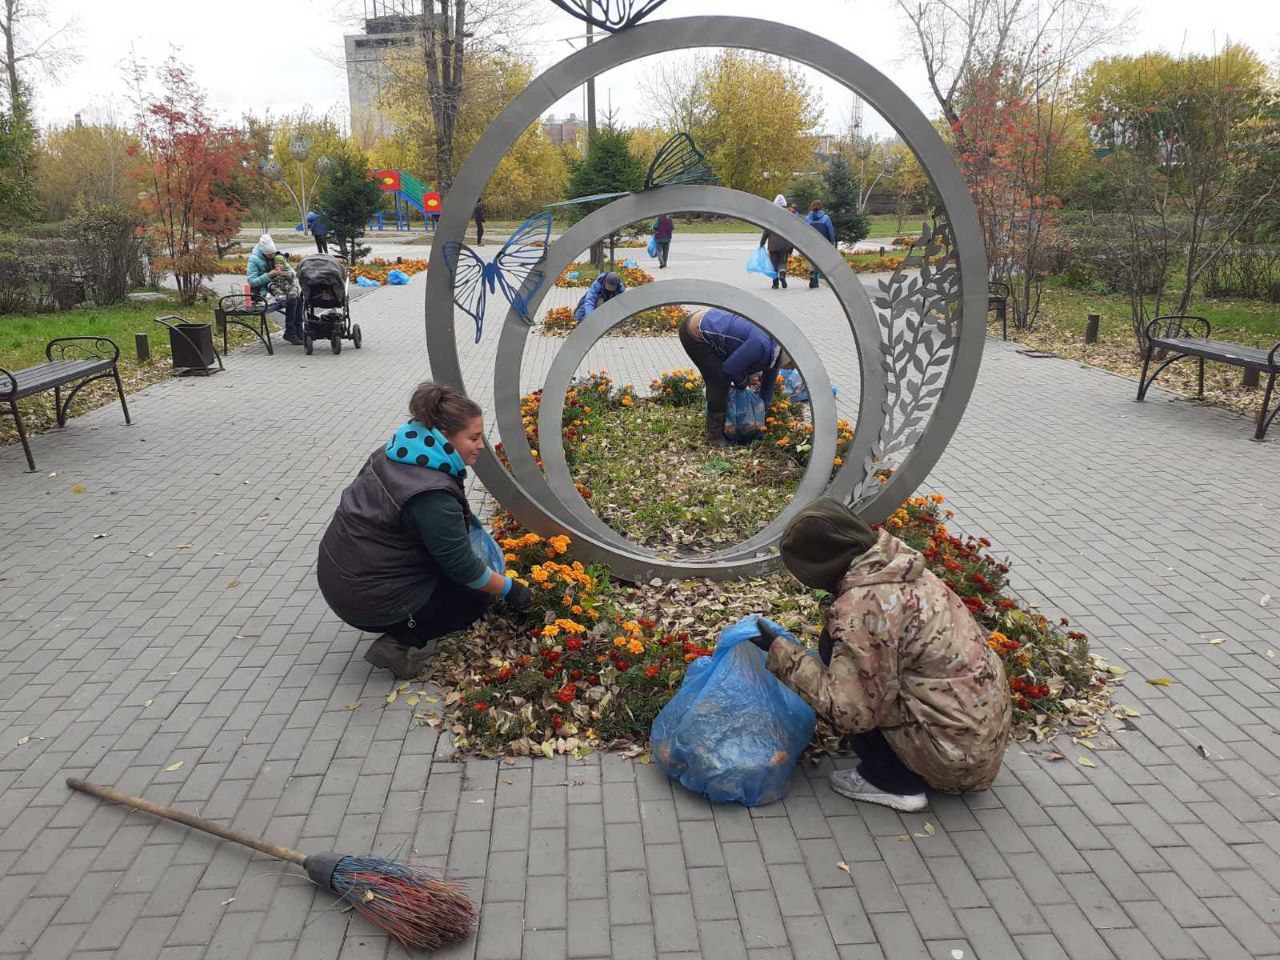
column 712, row 369
column 451, row 608
column 881, row 767
column 322, row 244
column 778, row 259
column 479, row 232
column 293, row 318
column 664, row 248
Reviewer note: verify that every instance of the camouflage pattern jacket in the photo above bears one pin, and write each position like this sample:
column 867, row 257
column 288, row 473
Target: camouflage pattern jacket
column 909, row 658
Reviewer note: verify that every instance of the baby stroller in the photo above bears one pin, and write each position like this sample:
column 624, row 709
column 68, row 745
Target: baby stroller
column 326, row 308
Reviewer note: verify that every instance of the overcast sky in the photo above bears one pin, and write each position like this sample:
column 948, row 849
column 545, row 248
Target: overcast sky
column 284, row 54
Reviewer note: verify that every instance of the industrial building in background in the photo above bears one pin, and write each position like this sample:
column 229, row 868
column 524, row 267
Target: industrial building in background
column 388, row 26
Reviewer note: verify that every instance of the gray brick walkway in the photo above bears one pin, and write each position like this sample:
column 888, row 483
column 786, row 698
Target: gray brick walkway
column 193, row 633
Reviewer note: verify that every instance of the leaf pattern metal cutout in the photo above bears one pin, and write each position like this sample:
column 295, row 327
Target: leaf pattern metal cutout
column 610, row 15
column 678, row 162
column 918, row 309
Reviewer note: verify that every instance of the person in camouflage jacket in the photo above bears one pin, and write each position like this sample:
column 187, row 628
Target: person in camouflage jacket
column 903, row 667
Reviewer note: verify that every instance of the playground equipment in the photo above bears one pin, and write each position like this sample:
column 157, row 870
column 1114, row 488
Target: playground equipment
column 408, row 193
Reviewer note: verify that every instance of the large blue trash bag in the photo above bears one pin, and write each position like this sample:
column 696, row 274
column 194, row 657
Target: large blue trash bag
column 485, row 547
column 653, row 247
column 733, row 732
column 795, row 386
column 744, row 416
column 367, row 282
column 397, row 278
column 759, row 263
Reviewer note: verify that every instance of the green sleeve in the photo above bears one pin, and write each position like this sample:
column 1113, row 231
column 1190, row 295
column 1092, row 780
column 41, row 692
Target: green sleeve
column 436, row 519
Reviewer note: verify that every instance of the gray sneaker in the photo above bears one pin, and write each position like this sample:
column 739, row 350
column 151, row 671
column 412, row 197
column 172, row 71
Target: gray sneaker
column 849, row 783
column 405, row 662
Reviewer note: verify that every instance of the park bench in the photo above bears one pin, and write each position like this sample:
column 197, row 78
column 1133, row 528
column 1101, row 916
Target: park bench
column 1177, row 337
column 998, row 301
column 75, row 361
column 248, row 311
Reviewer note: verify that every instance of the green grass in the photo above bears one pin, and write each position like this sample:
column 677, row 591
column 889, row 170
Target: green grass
column 23, row 338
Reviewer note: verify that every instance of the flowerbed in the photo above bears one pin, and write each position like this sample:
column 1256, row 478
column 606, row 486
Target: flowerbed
column 584, row 274
column 592, row 661
column 662, row 321
column 858, row 262
column 378, row 268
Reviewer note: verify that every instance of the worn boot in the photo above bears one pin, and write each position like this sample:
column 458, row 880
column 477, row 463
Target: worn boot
column 405, row 662
column 782, row 277
column 715, row 430
column 775, row 283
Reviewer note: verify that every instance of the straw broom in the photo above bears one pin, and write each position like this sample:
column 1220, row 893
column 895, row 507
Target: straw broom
column 419, row 910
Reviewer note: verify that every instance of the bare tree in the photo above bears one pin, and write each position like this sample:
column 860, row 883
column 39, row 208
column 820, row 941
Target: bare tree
column 1029, row 45
column 675, row 89
column 30, row 39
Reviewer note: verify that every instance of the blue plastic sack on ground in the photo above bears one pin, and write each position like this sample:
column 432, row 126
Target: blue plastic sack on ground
column 759, row 262
column 630, row 263
column 733, row 732
column 485, row 547
column 653, row 247
column 744, row 416
column 397, row 278
column 367, row 282
column 795, row 386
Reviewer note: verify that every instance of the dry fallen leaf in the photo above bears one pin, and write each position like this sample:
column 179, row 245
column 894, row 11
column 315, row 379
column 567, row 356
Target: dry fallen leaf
column 391, row 697
column 173, row 766
column 230, row 583
column 1217, row 640
column 957, row 954
column 23, row 740
column 507, row 780
column 78, row 489
column 1266, row 598
column 843, row 866
column 226, row 901
column 1271, row 654
column 1086, row 762
column 352, row 706
column 1159, row 681
column 412, row 700
column 1130, row 712
column 147, row 703
column 99, row 536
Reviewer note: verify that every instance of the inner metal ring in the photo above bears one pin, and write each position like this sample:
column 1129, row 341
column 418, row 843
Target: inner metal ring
column 708, row 293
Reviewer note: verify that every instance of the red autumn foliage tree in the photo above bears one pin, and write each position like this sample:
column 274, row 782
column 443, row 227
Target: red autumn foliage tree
column 1008, row 153
column 186, row 164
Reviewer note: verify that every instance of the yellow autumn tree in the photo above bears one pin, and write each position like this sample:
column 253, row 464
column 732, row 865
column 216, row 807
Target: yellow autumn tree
column 757, row 120
column 532, row 173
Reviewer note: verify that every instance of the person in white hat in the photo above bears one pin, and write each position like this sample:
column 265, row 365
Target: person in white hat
column 259, row 274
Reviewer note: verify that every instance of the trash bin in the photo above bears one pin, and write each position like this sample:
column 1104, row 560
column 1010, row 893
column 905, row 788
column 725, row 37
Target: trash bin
column 191, row 345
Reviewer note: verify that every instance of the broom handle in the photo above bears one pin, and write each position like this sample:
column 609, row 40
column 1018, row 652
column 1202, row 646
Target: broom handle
column 200, row 823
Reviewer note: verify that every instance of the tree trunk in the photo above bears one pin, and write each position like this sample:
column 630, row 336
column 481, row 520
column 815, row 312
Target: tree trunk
column 7, row 27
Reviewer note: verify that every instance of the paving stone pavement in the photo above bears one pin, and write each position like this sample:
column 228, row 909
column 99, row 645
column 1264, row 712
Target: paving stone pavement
column 193, row 632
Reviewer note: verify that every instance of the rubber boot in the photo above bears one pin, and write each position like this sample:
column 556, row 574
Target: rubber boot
column 775, row 283
column 782, row 277
column 715, row 430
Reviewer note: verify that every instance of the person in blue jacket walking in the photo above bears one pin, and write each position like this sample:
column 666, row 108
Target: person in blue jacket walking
column 605, row 288
column 820, row 220
column 728, row 350
column 259, row 273
column 319, row 231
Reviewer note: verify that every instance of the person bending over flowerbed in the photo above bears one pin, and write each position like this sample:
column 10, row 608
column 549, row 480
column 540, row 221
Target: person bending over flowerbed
column 903, row 667
column 397, row 556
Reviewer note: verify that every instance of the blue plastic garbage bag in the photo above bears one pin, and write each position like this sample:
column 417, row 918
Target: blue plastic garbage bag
column 795, row 386
column 759, row 262
column 485, row 547
column 744, row 416
column 367, row 282
column 630, row 263
column 653, row 247
column 397, row 278
column 733, row 732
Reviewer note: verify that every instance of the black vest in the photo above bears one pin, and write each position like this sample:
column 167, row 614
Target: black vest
column 368, row 563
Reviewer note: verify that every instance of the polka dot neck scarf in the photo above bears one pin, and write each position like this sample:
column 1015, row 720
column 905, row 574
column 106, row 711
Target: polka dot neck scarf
column 420, row 446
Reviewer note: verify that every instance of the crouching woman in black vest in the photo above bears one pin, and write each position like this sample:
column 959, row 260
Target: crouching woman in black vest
column 397, row 557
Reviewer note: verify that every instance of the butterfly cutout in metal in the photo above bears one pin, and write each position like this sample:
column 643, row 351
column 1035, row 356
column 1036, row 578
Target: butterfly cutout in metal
column 516, row 270
column 678, row 162
column 611, row 15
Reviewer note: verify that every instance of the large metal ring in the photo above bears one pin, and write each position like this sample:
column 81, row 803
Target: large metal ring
column 707, row 293
column 783, row 41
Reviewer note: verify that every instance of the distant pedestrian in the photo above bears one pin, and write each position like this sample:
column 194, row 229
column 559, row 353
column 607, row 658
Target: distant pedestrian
column 820, row 221
column 319, row 230
column 663, row 228
column 478, row 216
column 780, row 250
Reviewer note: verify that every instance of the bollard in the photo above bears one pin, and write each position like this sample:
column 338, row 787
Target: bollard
column 1250, row 381
column 1091, row 328
column 143, row 346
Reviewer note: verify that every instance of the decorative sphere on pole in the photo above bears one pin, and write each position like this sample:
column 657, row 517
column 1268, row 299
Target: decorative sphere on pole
column 324, row 165
column 300, row 148
column 272, row 170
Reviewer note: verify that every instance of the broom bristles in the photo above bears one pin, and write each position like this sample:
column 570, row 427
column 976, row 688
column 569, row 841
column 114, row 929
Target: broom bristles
column 419, row 909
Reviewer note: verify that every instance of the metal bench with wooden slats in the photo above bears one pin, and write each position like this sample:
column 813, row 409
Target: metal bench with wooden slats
column 1186, row 336
column 71, row 361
